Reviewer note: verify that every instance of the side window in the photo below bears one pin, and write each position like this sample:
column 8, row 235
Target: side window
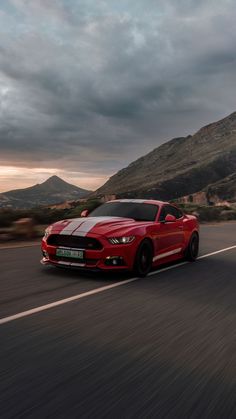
column 179, row 212
column 163, row 214
column 174, row 211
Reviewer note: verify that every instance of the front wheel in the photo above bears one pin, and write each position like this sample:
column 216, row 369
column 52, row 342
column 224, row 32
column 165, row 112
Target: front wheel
column 143, row 259
column 193, row 247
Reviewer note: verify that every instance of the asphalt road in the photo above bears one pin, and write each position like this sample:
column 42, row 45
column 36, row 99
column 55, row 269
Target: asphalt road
column 159, row 347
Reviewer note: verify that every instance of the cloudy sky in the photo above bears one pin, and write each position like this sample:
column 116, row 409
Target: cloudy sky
column 88, row 86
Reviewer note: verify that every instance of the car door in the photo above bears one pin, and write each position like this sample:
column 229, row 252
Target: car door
column 170, row 235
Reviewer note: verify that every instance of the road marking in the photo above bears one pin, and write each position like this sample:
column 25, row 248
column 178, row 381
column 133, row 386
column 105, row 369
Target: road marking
column 64, row 301
column 217, row 251
column 99, row 290
column 19, row 245
column 168, row 268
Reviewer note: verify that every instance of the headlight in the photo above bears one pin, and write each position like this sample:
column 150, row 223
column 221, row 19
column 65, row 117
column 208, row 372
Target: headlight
column 121, row 240
column 47, row 232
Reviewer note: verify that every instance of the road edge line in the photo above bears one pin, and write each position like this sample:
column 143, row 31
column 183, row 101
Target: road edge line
column 57, row 303
column 19, row 246
column 216, row 252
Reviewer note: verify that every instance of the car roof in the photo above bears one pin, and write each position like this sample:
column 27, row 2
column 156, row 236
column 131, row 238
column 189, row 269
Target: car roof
column 140, row 201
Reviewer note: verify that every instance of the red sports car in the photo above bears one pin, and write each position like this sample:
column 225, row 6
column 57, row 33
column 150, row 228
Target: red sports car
column 126, row 234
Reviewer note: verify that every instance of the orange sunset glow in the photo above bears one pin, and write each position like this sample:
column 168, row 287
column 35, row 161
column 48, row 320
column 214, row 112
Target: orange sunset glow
column 13, row 177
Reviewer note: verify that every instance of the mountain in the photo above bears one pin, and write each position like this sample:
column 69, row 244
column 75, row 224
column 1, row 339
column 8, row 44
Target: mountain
column 223, row 190
column 53, row 190
column 181, row 166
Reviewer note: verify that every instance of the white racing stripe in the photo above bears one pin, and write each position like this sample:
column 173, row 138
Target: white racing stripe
column 81, row 226
column 99, row 290
column 71, row 226
column 90, row 223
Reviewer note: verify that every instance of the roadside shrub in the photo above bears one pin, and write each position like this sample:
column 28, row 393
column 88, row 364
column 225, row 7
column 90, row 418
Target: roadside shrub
column 8, row 216
column 44, row 216
column 209, row 213
column 228, row 215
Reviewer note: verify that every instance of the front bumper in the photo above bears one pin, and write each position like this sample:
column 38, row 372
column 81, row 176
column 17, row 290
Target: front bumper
column 110, row 257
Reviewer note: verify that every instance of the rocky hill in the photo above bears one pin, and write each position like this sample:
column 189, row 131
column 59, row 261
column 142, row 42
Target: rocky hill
column 223, row 190
column 53, row 190
column 182, row 166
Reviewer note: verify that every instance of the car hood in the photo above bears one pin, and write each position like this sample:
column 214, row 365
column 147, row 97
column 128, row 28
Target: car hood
column 104, row 226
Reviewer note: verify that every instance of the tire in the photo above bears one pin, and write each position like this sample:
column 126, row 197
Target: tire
column 193, row 247
column 143, row 259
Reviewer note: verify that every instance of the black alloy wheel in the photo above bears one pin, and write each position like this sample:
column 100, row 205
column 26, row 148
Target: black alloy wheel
column 193, row 247
column 143, row 259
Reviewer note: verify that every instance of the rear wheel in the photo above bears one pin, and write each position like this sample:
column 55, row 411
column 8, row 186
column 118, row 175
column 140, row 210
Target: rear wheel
column 193, row 247
column 143, row 259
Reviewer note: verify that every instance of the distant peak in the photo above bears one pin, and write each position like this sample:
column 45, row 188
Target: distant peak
column 55, row 183
column 53, row 179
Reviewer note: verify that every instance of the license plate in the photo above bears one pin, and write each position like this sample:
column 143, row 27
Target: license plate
column 69, row 253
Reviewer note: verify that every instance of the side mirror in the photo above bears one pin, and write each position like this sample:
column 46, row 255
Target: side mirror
column 170, row 218
column 84, row 213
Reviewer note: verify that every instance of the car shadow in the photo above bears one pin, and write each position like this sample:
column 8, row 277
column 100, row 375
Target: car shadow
column 80, row 274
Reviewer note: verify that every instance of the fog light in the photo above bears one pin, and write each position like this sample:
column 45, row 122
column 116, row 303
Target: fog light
column 114, row 261
column 45, row 254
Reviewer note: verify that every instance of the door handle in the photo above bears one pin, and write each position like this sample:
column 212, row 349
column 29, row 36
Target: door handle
column 180, row 227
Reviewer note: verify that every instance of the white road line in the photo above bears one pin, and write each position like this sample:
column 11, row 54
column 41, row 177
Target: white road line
column 64, row 301
column 99, row 290
column 168, row 268
column 217, row 251
column 19, row 245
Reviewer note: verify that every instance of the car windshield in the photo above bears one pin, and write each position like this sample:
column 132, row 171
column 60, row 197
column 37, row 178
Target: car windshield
column 137, row 211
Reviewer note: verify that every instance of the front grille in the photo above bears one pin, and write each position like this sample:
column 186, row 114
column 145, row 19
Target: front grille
column 77, row 242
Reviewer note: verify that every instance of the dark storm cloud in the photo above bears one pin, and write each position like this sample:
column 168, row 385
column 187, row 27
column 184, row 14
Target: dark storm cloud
column 91, row 88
